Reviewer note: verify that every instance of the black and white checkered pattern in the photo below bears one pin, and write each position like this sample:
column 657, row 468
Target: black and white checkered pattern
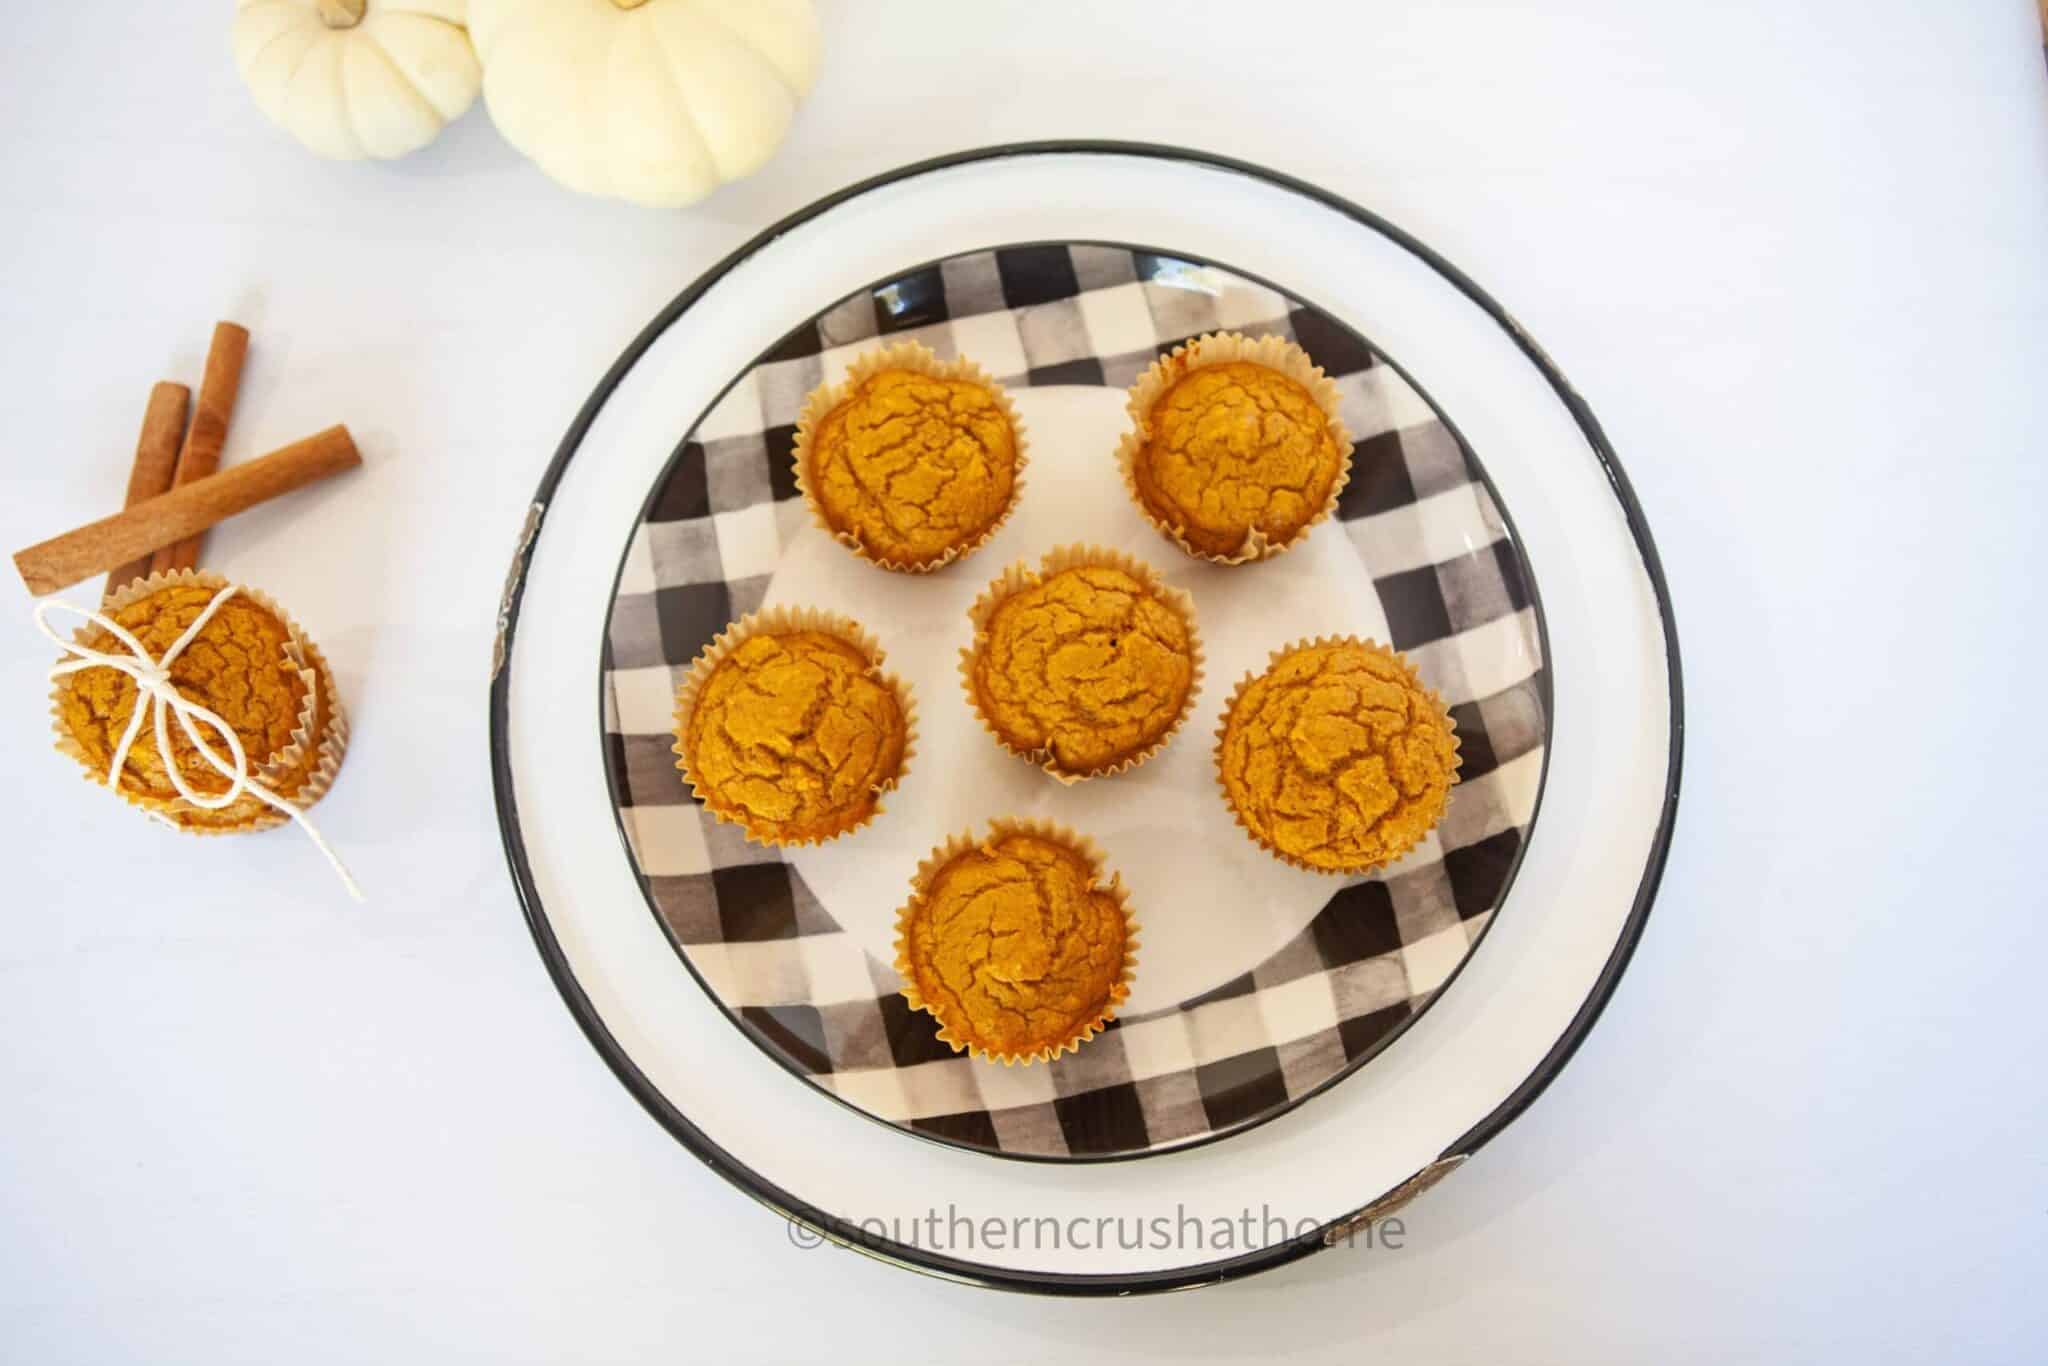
column 1370, row 959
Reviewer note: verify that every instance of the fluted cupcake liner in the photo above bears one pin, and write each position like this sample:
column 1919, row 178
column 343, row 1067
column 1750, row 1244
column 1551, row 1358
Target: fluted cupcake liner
column 303, row 785
column 918, row 359
column 1020, row 577
column 778, row 621
column 966, row 842
column 1222, row 348
column 1272, row 660
column 300, row 773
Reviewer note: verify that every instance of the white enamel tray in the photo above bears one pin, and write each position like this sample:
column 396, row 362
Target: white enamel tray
column 1429, row 1093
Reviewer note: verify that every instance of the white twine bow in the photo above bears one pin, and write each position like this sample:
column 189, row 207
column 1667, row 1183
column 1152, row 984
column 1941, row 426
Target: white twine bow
column 157, row 697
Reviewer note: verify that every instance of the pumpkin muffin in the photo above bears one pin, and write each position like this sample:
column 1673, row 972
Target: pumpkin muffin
column 301, row 783
column 1014, row 944
column 787, row 727
column 1337, row 758
column 1086, row 665
column 1236, row 448
column 912, row 463
column 249, row 665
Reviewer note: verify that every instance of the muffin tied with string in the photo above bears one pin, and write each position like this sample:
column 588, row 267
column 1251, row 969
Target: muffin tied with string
column 249, row 664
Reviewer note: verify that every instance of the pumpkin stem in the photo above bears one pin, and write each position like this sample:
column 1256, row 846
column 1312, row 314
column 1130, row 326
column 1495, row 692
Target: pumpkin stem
column 340, row 13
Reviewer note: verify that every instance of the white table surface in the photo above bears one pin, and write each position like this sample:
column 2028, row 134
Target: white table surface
column 1796, row 256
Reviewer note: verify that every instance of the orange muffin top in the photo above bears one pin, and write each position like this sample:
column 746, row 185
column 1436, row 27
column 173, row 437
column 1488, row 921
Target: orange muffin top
column 913, row 467
column 1084, row 670
column 1337, row 757
column 1014, row 946
column 1233, row 448
column 290, row 783
column 794, row 736
column 238, row 666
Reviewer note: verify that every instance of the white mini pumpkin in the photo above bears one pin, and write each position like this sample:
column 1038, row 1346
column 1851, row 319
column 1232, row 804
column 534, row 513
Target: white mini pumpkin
column 357, row 78
column 653, row 101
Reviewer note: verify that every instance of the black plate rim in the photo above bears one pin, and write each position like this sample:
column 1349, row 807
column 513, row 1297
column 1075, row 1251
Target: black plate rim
column 1543, row 688
column 939, row 1264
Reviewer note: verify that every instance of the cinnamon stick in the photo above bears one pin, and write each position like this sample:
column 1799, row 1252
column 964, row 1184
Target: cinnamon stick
column 201, row 454
column 156, row 462
column 183, row 512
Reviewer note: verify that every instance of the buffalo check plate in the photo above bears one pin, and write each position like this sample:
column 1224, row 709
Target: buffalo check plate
column 1257, row 986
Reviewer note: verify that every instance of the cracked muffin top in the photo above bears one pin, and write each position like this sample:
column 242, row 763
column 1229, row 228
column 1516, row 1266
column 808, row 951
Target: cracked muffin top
column 793, row 735
column 291, row 783
column 1014, row 946
column 240, row 666
column 1234, row 448
column 1337, row 757
column 1083, row 669
column 915, row 468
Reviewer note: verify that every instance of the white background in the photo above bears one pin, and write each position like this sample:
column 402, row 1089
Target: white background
column 1795, row 256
